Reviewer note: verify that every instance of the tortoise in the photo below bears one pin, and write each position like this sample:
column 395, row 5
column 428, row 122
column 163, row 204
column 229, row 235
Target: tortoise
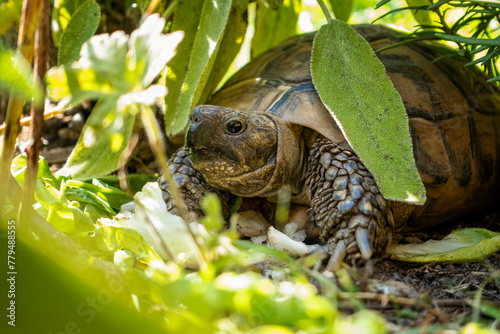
column 267, row 128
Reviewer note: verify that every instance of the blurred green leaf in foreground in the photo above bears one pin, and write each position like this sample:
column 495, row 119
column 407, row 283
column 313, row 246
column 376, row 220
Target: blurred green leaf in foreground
column 111, row 264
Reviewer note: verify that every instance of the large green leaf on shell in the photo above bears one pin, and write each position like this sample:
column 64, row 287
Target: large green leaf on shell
column 212, row 24
column 464, row 245
column 354, row 86
column 342, row 9
column 80, row 28
column 273, row 26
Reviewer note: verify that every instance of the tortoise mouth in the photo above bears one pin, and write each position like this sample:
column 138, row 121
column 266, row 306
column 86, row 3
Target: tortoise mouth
column 204, row 154
column 211, row 161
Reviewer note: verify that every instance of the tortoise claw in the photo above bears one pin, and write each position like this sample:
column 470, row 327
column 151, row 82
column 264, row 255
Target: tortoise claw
column 364, row 242
column 346, row 205
column 337, row 257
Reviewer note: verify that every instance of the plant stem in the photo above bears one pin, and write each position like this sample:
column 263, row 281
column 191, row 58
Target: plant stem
column 325, row 11
column 151, row 8
column 25, row 45
column 157, row 144
column 170, row 10
column 36, row 126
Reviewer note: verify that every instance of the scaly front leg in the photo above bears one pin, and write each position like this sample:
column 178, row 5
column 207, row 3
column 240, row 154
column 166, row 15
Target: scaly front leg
column 191, row 184
column 346, row 204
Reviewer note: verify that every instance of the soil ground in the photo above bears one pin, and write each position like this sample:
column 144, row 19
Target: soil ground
column 437, row 293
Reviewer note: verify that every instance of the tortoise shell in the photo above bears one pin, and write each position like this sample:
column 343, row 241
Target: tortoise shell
column 453, row 115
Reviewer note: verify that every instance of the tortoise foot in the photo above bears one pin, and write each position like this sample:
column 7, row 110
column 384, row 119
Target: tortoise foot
column 346, row 205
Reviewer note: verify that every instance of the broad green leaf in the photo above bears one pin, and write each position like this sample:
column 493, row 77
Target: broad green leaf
column 100, row 72
column 342, row 9
column 61, row 15
column 10, row 12
column 16, row 76
column 353, row 85
column 112, row 196
column 111, row 66
column 84, row 196
column 274, row 26
column 102, row 141
column 124, row 260
column 186, row 18
column 69, row 219
column 150, row 50
column 213, row 20
column 464, row 245
column 18, row 168
column 47, row 195
column 95, row 213
column 151, row 209
column 135, row 181
column 133, row 241
column 80, row 28
column 108, row 239
column 117, row 70
column 229, row 46
column 422, row 16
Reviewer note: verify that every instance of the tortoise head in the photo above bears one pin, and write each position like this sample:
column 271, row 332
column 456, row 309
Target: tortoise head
column 233, row 149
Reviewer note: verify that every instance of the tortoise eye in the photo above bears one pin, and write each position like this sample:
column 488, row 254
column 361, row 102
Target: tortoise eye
column 235, row 126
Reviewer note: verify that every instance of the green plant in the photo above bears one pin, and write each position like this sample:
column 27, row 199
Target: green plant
column 471, row 25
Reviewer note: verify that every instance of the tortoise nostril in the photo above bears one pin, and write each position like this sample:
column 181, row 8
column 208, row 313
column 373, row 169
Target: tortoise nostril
column 195, row 117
